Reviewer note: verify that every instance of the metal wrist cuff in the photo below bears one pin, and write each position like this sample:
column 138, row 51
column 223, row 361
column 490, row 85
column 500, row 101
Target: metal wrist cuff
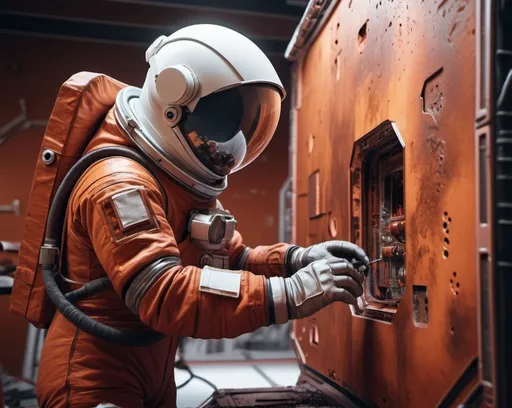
column 279, row 299
column 294, row 259
column 240, row 264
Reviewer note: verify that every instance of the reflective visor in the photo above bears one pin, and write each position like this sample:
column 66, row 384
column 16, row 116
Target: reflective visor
column 229, row 129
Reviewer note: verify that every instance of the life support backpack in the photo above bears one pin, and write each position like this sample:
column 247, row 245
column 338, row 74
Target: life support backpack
column 82, row 103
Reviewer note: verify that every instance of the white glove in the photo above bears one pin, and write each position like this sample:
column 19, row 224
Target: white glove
column 315, row 286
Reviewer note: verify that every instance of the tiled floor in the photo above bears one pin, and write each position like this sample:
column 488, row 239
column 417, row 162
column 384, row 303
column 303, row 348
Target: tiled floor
column 229, row 375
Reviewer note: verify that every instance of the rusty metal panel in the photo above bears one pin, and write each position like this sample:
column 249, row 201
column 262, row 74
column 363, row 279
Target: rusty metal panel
column 409, row 65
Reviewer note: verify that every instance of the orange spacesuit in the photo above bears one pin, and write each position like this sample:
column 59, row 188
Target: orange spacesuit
column 138, row 377
column 146, row 253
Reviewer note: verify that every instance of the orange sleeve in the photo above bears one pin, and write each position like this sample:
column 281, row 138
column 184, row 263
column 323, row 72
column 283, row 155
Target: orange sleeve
column 262, row 260
column 127, row 244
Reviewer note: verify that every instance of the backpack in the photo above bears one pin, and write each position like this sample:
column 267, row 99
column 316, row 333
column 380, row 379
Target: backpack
column 82, row 103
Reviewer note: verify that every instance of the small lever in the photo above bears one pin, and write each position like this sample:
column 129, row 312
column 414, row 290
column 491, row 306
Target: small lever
column 358, row 265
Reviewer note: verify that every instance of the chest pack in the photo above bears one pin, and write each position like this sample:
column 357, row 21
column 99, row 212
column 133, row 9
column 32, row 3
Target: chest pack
column 211, row 232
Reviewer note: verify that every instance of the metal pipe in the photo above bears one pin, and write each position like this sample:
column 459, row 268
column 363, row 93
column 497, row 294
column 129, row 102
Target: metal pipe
column 6, row 246
column 315, row 17
column 13, row 208
column 21, row 122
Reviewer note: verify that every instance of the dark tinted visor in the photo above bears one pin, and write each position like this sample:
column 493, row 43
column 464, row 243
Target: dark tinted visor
column 229, row 129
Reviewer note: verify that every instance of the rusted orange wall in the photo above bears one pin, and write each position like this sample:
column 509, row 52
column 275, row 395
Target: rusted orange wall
column 411, row 62
column 33, row 69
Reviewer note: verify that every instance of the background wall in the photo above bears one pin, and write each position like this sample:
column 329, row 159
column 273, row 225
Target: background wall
column 33, row 68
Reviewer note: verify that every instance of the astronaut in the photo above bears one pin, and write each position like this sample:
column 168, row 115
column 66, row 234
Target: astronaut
column 209, row 106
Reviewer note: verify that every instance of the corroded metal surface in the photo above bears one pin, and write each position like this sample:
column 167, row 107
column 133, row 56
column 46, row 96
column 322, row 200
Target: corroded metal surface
column 412, row 63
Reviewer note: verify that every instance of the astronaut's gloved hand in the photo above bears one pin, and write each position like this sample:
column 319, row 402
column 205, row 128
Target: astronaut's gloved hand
column 298, row 257
column 313, row 287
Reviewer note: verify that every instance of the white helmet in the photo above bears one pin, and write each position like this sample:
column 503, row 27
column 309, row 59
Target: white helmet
column 209, row 106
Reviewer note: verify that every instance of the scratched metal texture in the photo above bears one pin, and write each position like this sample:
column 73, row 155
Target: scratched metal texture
column 347, row 86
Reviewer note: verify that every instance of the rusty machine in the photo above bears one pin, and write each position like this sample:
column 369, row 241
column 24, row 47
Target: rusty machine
column 402, row 143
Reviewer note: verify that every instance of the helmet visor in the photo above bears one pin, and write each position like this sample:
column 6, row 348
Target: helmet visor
column 230, row 128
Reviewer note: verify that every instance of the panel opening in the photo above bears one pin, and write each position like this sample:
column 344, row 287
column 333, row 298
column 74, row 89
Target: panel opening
column 314, row 338
column 315, row 209
column 378, row 219
column 361, row 35
column 420, row 305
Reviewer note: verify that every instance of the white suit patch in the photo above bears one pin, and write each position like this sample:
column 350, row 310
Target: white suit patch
column 130, row 209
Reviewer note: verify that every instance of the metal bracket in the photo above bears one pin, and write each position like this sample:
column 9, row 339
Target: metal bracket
column 13, row 208
column 48, row 255
column 22, row 122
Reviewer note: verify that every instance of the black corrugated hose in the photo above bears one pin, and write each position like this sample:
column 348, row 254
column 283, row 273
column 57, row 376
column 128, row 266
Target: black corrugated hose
column 52, row 238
